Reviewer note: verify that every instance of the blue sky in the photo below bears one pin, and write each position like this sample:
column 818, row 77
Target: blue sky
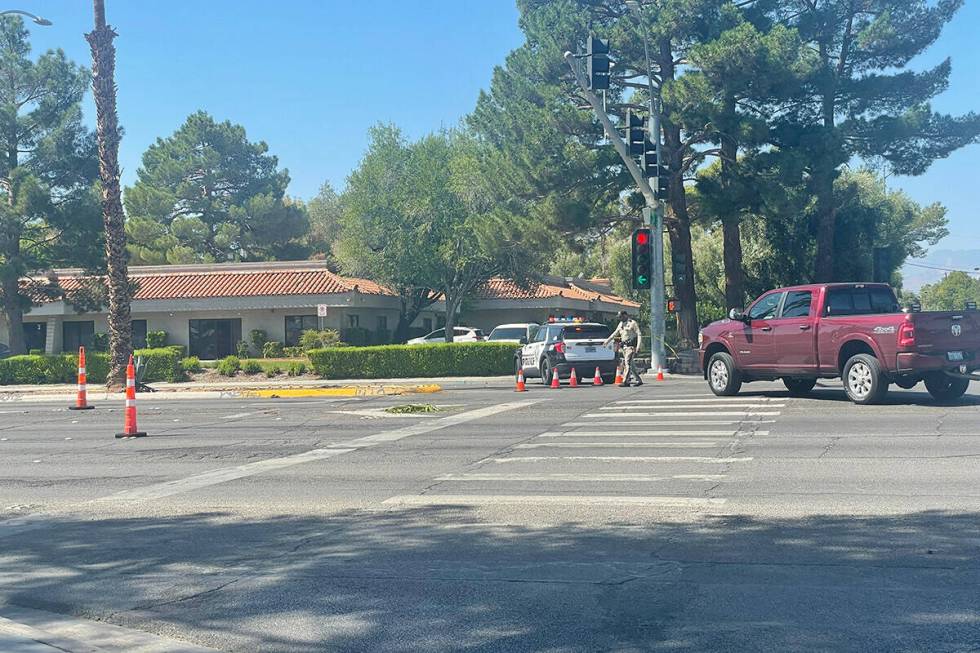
column 310, row 77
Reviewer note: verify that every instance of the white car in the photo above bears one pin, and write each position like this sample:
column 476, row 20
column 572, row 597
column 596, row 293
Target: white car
column 520, row 333
column 460, row 334
column 564, row 345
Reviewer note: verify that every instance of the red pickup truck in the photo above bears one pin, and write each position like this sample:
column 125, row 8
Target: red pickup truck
column 855, row 331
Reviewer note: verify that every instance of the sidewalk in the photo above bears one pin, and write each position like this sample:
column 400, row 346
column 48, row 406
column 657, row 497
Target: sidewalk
column 267, row 388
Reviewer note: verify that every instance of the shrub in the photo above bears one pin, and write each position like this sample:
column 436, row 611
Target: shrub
column 258, row 338
column 297, row 369
column 162, row 364
column 251, row 367
column 273, row 372
column 272, row 349
column 35, row 352
column 191, row 364
column 356, row 336
column 100, row 342
column 313, row 339
column 293, row 352
column 36, row 369
column 156, row 339
column 181, row 350
column 229, row 365
column 241, row 349
column 400, row 361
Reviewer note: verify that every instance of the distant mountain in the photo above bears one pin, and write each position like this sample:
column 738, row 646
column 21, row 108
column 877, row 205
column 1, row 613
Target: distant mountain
column 917, row 272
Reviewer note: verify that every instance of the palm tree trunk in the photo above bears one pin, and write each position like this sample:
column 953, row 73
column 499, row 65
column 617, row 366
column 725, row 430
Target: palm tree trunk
column 107, row 130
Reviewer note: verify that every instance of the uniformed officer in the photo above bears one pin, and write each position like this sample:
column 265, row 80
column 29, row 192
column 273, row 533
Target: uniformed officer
column 628, row 333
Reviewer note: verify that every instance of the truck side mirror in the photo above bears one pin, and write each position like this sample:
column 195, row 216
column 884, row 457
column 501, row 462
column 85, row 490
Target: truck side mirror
column 737, row 315
column 523, row 341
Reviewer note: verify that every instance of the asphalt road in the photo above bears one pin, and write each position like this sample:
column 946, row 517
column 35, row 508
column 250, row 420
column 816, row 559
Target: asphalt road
column 593, row 519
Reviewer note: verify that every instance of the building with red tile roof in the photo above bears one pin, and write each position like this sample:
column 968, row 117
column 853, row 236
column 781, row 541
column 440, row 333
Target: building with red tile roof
column 209, row 308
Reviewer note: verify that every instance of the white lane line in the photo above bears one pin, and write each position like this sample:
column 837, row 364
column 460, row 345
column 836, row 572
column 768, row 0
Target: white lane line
column 58, row 632
column 191, row 483
column 752, row 413
column 589, row 500
column 652, row 434
column 642, row 459
column 589, row 478
column 238, row 415
column 672, row 423
column 695, row 407
column 170, row 488
column 690, row 444
column 726, row 400
column 596, row 445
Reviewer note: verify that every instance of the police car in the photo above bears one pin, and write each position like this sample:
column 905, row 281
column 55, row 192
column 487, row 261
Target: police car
column 565, row 344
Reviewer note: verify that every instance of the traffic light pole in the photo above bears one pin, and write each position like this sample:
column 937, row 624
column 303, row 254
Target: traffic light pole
column 652, row 213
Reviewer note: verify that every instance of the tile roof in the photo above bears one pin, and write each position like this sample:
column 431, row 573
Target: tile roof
column 301, row 278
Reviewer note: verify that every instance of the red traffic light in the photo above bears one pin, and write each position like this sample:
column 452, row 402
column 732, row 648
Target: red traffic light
column 642, row 237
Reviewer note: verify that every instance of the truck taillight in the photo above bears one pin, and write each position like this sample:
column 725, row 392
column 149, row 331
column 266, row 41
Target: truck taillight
column 906, row 335
column 560, row 347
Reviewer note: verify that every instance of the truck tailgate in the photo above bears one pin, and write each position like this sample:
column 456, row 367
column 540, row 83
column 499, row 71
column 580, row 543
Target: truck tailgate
column 947, row 331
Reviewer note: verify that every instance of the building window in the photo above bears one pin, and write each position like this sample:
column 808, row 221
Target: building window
column 427, row 324
column 296, row 325
column 353, row 321
column 139, row 334
column 77, row 334
column 35, row 336
column 382, row 323
column 214, row 339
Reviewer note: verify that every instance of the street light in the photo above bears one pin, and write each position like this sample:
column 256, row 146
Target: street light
column 37, row 19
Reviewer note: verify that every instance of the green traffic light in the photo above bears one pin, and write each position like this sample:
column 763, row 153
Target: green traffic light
column 642, row 280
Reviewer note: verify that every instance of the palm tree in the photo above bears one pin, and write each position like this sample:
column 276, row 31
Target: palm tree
column 107, row 130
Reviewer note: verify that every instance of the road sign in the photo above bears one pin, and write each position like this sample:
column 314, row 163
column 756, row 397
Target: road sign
column 321, row 310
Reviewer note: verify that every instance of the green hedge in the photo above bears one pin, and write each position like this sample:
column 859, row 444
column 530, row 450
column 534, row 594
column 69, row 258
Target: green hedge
column 162, row 365
column 401, row 361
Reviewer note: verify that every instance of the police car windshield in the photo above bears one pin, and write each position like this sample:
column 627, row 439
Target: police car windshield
column 515, row 333
column 586, row 332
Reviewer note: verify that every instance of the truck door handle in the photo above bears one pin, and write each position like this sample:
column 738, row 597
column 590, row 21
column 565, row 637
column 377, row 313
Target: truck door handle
column 804, row 327
column 765, row 328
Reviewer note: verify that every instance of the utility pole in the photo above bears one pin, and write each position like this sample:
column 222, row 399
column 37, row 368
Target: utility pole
column 652, row 214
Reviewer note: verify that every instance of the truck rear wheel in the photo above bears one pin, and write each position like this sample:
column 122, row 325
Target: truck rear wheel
column 946, row 388
column 723, row 379
column 799, row 387
column 863, row 379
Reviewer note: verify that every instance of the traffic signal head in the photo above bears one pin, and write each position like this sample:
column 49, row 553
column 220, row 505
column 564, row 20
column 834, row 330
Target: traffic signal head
column 634, row 133
column 671, row 305
column 663, row 185
column 642, row 249
column 597, row 58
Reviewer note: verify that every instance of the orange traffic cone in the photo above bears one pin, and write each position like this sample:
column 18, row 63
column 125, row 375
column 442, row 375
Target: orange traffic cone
column 555, row 383
column 573, row 380
column 130, row 428
column 81, row 402
column 597, row 379
column 619, row 375
column 520, row 382
column 660, row 373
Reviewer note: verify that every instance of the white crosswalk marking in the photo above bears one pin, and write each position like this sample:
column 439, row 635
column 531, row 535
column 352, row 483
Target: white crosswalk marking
column 631, row 440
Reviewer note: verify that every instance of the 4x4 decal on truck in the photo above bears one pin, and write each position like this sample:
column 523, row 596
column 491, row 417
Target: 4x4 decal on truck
column 888, row 329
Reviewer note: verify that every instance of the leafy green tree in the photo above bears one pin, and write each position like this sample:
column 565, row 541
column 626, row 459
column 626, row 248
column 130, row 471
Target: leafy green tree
column 428, row 219
column 950, row 294
column 324, row 212
column 208, row 194
column 860, row 101
column 49, row 214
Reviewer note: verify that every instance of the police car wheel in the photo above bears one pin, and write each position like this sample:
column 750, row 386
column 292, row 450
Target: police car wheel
column 545, row 368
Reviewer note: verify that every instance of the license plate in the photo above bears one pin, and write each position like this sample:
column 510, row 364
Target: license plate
column 954, row 355
column 590, row 350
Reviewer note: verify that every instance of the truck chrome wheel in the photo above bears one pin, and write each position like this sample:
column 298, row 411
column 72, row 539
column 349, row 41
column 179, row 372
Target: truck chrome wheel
column 719, row 375
column 859, row 379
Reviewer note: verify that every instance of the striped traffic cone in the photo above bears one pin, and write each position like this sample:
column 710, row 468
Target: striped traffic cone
column 555, row 383
column 660, row 373
column 520, row 382
column 619, row 375
column 597, row 379
column 130, row 428
column 81, row 401
column 573, row 380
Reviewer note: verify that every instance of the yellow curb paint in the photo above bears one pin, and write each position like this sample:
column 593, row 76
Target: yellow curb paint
column 346, row 391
